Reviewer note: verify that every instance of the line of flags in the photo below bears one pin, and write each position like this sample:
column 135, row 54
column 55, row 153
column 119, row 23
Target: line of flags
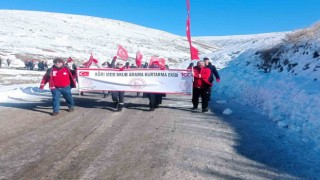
column 123, row 54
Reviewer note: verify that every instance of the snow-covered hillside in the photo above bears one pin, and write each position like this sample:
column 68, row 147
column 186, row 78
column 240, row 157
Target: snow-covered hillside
column 230, row 47
column 27, row 35
column 287, row 90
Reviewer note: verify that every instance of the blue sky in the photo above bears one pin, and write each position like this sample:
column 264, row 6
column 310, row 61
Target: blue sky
column 208, row 17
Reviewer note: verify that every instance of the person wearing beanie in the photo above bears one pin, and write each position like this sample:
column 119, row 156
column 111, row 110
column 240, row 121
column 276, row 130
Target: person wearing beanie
column 214, row 73
column 201, row 86
column 61, row 80
column 118, row 96
column 155, row 99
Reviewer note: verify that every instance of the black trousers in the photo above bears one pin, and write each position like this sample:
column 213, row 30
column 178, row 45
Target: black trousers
column 204, row 93
column 118, row 96
column 154, row 99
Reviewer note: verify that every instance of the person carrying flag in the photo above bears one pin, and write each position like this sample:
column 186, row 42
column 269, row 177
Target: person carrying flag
column 201, row 86
column 118, row 96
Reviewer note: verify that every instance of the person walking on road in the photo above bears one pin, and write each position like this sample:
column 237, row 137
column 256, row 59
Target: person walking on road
column 214, row 73
column 155, row 99
column 61, row 80
column 118, row 96
column 201, row 86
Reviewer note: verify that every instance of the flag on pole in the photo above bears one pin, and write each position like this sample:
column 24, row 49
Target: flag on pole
column 90, row 61
column 161, row 62
column 188, row 30
column 139, row 57
column 122, row 53
column 69, row 60
column 193, row 51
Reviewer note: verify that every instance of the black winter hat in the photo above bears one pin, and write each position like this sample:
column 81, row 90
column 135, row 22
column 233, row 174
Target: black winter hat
column 58, row 60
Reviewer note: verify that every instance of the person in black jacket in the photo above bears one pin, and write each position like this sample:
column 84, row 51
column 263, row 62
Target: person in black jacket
column 214, row 73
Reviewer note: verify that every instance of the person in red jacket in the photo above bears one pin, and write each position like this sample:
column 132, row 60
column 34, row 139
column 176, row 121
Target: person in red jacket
column 201, row 86
column 118, row 96
column 61, row 80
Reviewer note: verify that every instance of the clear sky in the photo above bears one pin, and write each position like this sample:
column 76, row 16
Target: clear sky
column 208, row 17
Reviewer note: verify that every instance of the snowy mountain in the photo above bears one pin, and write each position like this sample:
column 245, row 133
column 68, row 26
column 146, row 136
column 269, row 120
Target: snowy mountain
column 27, row 35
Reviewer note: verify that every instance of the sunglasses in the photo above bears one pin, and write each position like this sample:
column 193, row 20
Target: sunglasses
column 58, row 62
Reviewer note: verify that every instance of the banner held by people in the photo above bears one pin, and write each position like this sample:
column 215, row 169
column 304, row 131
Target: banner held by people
column 136, row 80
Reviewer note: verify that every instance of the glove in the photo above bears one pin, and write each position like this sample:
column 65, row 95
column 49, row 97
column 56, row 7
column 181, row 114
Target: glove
column 218, row 80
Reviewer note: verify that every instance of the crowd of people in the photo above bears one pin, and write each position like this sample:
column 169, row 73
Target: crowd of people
column 31, row 65
column 62, row 78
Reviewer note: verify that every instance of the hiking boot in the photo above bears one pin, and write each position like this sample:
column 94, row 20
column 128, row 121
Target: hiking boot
column 116, row 104
column 194, row 108
column 151, row 109
column 205, row 110
column 55, row 113
column 120, row 107
column 71, row 109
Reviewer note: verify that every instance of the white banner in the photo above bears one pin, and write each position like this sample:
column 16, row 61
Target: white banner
column 171, row 81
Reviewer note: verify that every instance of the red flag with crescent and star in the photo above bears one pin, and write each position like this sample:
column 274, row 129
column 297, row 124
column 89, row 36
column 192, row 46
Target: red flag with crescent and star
column 193, row 51
column 90, row 61
column 122, row 53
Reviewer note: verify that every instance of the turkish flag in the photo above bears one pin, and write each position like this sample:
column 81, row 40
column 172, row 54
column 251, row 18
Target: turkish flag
column 153, row 59
column 162, row 62
column 84, row 73
column 122, row 53
column 90, row 61
column 159, row 61
column 69, row 60
column 139, row 57
column 194, row 53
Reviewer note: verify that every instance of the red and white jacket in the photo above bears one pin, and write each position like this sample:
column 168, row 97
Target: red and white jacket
column 58, row 78
column 201, row 77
